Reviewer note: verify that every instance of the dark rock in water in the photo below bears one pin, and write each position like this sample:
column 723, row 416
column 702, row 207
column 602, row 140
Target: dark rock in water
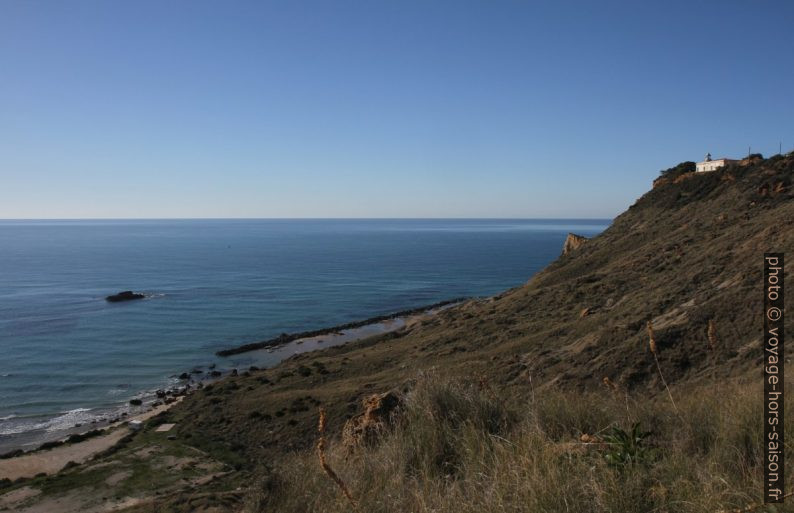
column 50, row 445
column 234, row 372
column 12, row 454
column 253, row 368
column 212, row 366
column 126, row 295
column 197, row 371
column 215, row 374
column 184, row 375
column 136, row 402
column 160, row 393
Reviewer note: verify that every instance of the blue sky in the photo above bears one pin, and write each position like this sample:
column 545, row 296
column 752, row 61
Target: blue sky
column 378, row 109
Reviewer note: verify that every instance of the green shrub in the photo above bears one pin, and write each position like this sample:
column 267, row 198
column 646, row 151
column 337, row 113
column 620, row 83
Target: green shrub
column 628, row 447
column 678, row 170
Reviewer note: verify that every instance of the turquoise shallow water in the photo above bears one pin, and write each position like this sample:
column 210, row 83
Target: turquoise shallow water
column 68, row 356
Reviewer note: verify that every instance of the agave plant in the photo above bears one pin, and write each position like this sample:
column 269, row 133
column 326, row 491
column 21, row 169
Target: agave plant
column 628, row 448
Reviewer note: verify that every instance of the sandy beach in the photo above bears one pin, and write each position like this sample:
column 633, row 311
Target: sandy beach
column 52, row 460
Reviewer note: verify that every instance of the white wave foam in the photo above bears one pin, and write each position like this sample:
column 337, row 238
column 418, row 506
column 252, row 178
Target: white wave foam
column 69, row 419
column 15, row 429
column 63, row 421
column 119, row 391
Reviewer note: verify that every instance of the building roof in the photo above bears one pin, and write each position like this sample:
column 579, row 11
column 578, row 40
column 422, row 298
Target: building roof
column 715, row 160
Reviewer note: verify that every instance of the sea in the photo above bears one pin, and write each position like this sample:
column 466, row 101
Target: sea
column 69, row 359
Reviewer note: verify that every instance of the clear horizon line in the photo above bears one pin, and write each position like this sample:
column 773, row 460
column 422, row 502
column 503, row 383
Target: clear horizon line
column 296, row 218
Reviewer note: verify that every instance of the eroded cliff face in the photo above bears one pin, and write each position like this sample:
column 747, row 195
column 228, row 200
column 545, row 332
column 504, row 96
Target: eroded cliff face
column 572, row 243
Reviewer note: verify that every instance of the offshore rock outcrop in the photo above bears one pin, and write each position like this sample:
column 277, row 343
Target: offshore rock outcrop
column 572, row 243
column 126, row 295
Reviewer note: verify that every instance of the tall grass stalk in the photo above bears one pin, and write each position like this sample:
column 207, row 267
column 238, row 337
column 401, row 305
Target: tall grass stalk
column 324, row 463
column 457, row 450
column 652, row 345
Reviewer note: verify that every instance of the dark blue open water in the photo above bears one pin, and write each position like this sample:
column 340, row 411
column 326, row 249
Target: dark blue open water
column 68, row 356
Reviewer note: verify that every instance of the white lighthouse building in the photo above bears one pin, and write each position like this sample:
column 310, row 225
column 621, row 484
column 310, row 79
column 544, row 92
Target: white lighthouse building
column 712, row 165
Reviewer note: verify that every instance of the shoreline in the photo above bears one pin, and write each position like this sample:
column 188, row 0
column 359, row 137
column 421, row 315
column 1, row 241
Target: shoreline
column 162, row 399
column 286, row 338
column 53, row 459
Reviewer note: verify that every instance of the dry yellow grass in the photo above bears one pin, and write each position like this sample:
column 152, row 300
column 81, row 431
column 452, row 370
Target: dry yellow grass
column 321, row 443
column 458, row 450
column 651, row 339
column 611, row 385
column 654, row 351
column 754, row 506
column 712, row 334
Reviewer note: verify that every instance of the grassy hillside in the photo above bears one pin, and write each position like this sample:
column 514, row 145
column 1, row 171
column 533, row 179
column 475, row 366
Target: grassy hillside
column 498, row 392
column 462, row 448
column 683, row 255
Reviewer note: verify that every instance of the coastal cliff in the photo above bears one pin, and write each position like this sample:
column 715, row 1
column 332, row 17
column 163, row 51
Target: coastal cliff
column 497, row 392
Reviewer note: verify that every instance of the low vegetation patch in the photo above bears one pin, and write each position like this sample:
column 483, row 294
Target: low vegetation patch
column 462, row 447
